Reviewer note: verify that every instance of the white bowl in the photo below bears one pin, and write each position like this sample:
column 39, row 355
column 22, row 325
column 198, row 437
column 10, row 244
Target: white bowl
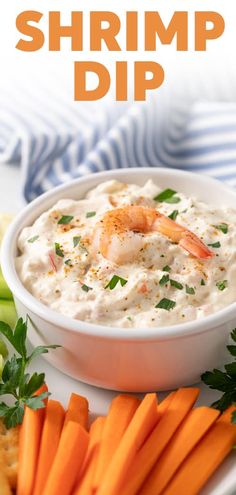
column 127, row 359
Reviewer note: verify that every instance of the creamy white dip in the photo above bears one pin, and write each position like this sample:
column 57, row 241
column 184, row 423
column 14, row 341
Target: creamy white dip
column 56, row 262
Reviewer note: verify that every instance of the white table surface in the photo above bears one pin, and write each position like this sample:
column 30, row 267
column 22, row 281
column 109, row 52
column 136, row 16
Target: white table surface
column 61, row 386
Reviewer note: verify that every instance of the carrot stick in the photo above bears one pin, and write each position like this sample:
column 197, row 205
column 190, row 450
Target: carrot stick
column 164, row 404
column 84, row 485
column 140, row 426
column 77, row 410
column 29, row 443
column 205, row 458
column 188, row 435
column 148, row 455
column 119, row 416
column 51, row 433
column 5, row 488
column 95, row 435
column 68, row 460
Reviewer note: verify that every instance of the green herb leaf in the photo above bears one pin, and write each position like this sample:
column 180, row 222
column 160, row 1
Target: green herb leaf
column 86, row 288
column 36, row 402
column 231, row 369
column 166, row 304
column 164, row 280
column 189, row 290
column 166, row 196
column 215, row 244
column 33, row 239
column 174, row 214
column 223, row 227
column 20, row 337
column 65, row 219
column 6, row 330
column 166, row 268
column 33, row 384
column 232, row 349
column 90, row 214
column 13, row 416
column 41, row 349
column 176, row 284
column 203, row 282
column 233, row 335
column 222, row 284
column 59, row 250
column 76, row 240
column 114, row 281
column 224, row 381
column 223, row 403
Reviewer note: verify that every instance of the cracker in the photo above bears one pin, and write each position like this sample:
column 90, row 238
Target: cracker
column 9, row 444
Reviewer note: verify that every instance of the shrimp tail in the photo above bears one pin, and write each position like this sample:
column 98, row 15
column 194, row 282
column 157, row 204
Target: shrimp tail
column 184, row 237
column 195, row 247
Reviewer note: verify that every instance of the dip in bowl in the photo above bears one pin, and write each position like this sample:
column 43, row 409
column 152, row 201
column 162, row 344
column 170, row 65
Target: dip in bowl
column 140, row 308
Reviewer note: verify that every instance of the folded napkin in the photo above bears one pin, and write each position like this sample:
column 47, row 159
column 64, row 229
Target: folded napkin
column 55, row 140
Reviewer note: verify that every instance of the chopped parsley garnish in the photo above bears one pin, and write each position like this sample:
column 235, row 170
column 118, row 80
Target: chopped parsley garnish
column 86, row 288
column 65, row 219
column 176, row 284
column 215, row 244
column 33, row 239
column 203, row 282
column 222, row 284
column 223, row 227
column 174, row 214
column 59, row 250
column 166, row 268
column 129, row 318
column 189, row 290
column 166, row 304
column 90, row 214
column 76, row 240
column 68, row 262
column 167, row 196
column 173, row 200
column 164, row 280
column 114, row 281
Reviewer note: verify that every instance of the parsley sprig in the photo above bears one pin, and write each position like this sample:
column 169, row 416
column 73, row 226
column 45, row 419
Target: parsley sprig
column 16, row 381
column 224, row 381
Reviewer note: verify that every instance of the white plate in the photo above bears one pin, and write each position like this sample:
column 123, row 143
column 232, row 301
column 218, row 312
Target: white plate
column 224, row 481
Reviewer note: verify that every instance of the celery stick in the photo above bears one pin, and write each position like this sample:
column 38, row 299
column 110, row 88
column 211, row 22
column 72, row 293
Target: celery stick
column 5, row 292
column 8, row 312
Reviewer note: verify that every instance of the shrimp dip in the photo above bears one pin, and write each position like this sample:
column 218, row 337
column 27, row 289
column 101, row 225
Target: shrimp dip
column 131, row 256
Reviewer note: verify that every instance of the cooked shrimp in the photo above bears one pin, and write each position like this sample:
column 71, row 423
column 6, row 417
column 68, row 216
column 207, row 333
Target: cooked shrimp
column 116, row 236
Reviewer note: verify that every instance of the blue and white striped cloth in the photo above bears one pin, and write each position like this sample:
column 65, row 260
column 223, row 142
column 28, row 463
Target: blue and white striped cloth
column 55, row 139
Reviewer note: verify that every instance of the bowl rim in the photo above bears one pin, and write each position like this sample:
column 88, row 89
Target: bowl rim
column 194, row 327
